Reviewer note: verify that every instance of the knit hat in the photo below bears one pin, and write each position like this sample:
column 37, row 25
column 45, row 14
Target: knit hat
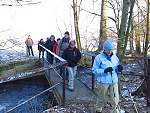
column 107, row 45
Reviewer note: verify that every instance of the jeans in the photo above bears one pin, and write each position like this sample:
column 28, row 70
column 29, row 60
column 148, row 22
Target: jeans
column 71, row 76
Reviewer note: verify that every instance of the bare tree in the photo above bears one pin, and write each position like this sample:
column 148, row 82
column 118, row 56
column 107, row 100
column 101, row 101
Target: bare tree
column 122, row 30
column 147, row 29
column 137, row 37
column 76, row 12
column 103, row 25
column 130, row 20
column 131, row 39
column 19, row 2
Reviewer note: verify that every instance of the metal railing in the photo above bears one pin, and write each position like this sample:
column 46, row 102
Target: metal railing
column 32, row 102
column 39, row 97
column 92, row 57
column 61, row 65
column 62, row 76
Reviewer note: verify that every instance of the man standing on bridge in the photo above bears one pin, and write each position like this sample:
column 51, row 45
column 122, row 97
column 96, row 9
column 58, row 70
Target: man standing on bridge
column 106, row 67
column 29, row 44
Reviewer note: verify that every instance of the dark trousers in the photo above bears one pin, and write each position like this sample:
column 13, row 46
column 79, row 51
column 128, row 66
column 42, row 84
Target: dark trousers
column 50, row 58
column 40, row 54
column 29, row 48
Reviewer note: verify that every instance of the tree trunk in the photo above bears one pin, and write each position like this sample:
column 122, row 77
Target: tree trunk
column 122, row 30
column 137, row 41
column 147, row 29
column 137, row 38
column 76, row 24
column 130, row 21
column 131, row 40
column 103, row 24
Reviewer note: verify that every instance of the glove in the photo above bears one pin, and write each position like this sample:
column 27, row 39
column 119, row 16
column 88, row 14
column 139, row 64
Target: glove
column 109, row 69
column 120, row 68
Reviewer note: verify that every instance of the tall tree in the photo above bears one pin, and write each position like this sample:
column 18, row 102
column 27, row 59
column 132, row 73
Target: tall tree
column 130, row 20
column 131, row 39
column 103, row 23
column 76, row 11
column 147, row 29
column 137, row 37
column 122, row 30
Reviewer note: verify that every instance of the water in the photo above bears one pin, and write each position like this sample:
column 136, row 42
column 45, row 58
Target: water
column 14, row 93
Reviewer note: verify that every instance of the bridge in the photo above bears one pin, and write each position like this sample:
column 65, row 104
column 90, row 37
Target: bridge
column 56, row 77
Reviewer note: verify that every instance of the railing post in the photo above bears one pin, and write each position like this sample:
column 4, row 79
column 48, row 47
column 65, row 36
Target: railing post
column 93, row 77
column 63, row 72
column 42, row 59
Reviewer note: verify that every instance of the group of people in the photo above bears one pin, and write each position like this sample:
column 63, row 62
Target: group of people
column 65, row 48
column 106, row 67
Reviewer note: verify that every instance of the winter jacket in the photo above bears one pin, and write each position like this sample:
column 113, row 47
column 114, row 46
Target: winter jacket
column 72, row 55
column 55, row 47
column 39, row 47
column 49, row 44
column 101, row 62
column 29, row 42
column 64, row 43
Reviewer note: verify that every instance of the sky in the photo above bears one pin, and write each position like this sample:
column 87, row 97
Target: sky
column 47, row 18
column 40, row 20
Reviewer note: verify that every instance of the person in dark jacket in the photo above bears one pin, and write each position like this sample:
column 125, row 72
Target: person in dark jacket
column 41, row 50
column 50, row 46
column 72, row 55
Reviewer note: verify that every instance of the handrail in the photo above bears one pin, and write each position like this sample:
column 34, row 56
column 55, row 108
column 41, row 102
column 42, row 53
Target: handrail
column 62, row 72
column 9, row 111
column 58, row 57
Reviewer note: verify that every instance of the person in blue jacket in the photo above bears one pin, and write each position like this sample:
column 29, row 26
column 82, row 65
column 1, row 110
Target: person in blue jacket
column 105, row 68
